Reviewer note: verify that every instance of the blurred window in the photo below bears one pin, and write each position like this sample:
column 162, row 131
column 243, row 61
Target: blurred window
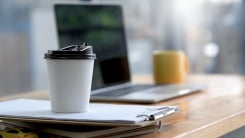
column 211, row 32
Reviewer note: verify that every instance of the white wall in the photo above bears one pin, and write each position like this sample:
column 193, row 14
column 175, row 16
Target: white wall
column 43, row 38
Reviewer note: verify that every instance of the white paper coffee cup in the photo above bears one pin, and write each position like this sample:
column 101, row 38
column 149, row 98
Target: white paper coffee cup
column 70, row 76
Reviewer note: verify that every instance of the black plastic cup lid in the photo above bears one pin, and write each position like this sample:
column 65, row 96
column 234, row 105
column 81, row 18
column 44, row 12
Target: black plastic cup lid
column 72, row 52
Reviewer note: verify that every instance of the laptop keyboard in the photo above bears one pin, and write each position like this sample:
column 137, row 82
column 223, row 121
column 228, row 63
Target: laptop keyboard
column 124, row 91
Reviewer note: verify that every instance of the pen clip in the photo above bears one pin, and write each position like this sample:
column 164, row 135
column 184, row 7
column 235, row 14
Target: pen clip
column 155, row 114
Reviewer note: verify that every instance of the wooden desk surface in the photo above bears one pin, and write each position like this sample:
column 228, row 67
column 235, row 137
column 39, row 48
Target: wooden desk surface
column 218, row 110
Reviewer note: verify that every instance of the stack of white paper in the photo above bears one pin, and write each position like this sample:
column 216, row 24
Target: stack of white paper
column 39, row 110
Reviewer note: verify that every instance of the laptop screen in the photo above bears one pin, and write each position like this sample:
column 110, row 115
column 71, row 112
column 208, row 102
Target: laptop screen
column 102, row 27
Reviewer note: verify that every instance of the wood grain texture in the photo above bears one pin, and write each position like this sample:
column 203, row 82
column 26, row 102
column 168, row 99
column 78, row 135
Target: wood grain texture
column 217, row 110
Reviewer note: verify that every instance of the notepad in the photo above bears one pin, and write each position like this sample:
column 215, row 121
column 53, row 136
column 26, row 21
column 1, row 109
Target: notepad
column 99, row 114
column 87, row 131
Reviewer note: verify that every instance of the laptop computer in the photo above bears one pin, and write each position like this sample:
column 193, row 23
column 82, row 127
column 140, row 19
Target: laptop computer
column 102, row 26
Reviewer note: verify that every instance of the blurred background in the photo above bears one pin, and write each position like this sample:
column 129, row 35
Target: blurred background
column 211, row 32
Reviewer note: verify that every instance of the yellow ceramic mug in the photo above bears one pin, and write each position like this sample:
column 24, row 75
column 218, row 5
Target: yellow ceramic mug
column 169, row 66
